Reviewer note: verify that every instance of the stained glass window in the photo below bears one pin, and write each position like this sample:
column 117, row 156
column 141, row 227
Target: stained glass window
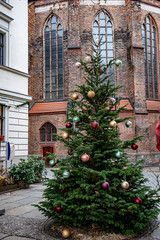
column 47, row 132
column 102, row 29
column 150, row 57
column 53, row 59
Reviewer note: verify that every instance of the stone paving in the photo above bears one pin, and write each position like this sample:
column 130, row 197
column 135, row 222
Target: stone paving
column 22, row 221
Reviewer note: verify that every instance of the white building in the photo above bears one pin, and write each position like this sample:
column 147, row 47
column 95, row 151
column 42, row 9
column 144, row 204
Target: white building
column 14, row 76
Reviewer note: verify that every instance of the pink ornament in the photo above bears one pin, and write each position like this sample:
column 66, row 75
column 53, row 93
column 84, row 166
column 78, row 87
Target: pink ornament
column 138, row 201
column 85, row 157
column 70, row 170
column 57, row 209
column 95, row 125
column 78, row 64
column 134, row 146
column 105, row 185
column 68, row 125
column 69, row 152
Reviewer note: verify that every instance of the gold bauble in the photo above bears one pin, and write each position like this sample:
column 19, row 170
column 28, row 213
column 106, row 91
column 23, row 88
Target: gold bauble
column 125, row 185
column 65, row 135
column 74, row 96
column 91, row 94
column 113, row 124
column 66, row 233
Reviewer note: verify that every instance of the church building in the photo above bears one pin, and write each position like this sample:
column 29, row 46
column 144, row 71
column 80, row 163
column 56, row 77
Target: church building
column 61, row 33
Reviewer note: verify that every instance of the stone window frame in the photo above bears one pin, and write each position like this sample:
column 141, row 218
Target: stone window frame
column 2, row 120
column 58, row 23
column 2, row 48
column 44, row 128
column 151, row 69
column 109, row 20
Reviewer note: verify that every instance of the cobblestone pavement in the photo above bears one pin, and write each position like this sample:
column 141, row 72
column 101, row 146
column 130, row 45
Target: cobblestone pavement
column 22, row 221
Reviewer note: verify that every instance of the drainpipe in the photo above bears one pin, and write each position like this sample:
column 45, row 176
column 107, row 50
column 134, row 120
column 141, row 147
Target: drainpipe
column 68, row 15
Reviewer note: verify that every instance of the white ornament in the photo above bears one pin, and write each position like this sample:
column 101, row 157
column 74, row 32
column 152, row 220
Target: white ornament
column 112, row 100
column 118, row 154
column 87, row 59
column 78, row 64
column 118, row 63
column 66, row 174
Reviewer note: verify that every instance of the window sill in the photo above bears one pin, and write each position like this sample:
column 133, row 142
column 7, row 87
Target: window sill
column 153, row 105
column 51, row 142
column 5, row 4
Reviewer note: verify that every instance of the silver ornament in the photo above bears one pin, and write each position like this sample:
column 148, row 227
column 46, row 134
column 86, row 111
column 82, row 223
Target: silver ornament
column 78, row 64
column 118, row 154
column 87, row 59
column 66, row 174
column 128, row 124
column 76, row 119
column 118, row 63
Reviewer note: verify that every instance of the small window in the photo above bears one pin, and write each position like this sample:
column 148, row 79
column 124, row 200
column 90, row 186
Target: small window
column 1, row 49
column 1, row 120
column 48, row 133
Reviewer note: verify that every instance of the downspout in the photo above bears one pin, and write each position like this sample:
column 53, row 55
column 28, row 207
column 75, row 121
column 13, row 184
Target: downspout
column 68, row 15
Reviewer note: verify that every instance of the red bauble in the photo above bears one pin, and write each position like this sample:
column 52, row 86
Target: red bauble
column 138, row 201
column 57, row 209
column 105, row 185
column 68, row 125
column 69, row 152
column 85, row 157
column 95, row 125
column 134, row 146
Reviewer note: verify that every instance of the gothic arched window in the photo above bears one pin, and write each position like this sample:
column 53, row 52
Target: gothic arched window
column 102, row 29
column 47, row 132
column 53, row 58
column 149, row 36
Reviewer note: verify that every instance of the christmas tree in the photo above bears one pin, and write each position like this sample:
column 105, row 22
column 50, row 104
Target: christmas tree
column 96, row 184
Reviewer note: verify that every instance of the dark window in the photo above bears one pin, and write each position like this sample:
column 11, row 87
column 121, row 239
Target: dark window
column 1, row 121
column 1, row 49
column 47, row 133
column 149, row 36
column 53, row 59
column 102, row 29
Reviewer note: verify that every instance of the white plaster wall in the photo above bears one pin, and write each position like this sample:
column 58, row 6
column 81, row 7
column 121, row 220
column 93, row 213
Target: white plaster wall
column 18, row 28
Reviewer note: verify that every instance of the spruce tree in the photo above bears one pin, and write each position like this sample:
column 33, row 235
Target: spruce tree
column 96, row 183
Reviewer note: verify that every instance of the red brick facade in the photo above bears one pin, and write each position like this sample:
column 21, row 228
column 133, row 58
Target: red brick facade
column 77, row 22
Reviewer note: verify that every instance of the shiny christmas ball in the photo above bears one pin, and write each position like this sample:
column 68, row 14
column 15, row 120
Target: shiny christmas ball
column 125, row 185
column 128, row 124
column 70, row 170
column 68, row 125
column 87, row 59
column 65, row 135
column 74, row 96
column 66, row 233
column 78, row 64
column 69, row 152
column 112, row 100
column 52, row 163
column 105, row 185
column 85, row 157
column 134, row 146
column 66, row 174
column 138, row 201
column 113, row 124
column 76, row 119
column 118, row 154
column 91, row 94
column 118, row 63
column 95, row 125
column 57, row 209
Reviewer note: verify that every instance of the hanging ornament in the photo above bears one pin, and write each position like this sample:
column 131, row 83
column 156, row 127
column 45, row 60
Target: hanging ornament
column 113, row 124
column 85, row 157
column 57, row 209
column 66, row 174
column 69, row 152
column 52, row 162
column 76, row 119
column 118, row 154
column 112, row 100
column 78, row 64
column 68, row 125
column 74, row 96
column 118, row 63
column 95, row 125
column 134, row 146
column 128, row 124
column 125, row 185
column 66, row 233
column 70, row 170
column 91, row 94
column 138, row 201
column 87, row 59
column 65, row 135
column 105, row 185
